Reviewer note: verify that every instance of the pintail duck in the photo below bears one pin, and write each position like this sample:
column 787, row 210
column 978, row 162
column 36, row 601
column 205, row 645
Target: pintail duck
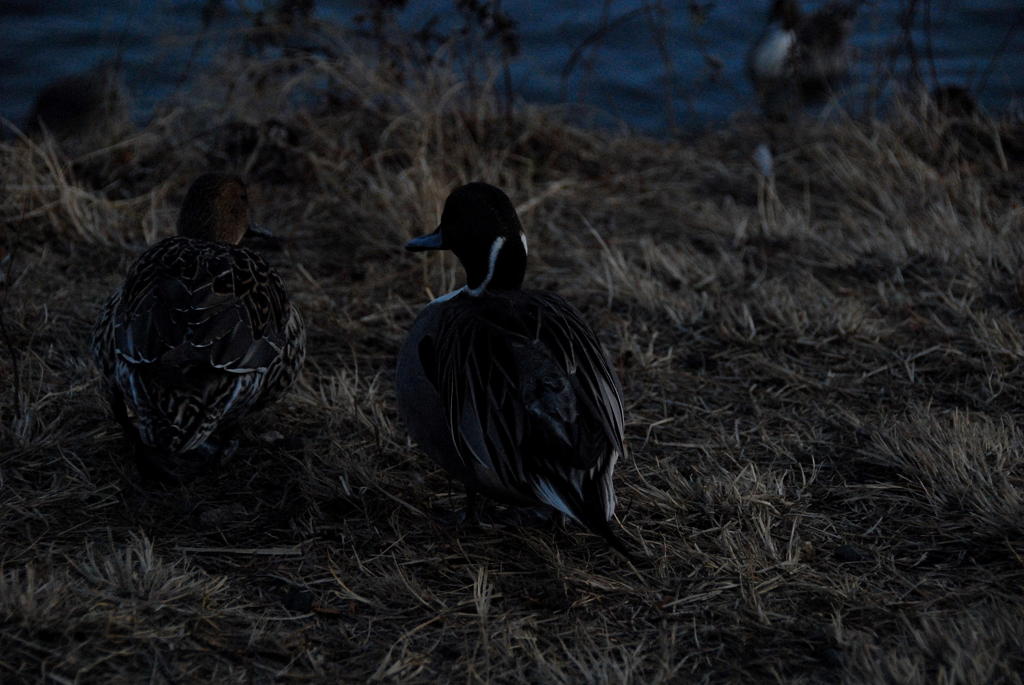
column 508, row 389
column 200, row 334
column 799, row 57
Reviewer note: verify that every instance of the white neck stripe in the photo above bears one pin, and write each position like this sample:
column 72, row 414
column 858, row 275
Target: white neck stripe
column 446, row 296
column 522, row 236
column 495, row 249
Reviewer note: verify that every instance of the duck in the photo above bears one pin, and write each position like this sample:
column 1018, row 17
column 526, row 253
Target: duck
column 200, row 334
column 799, row 58
column 509, row 389
column 84, row 109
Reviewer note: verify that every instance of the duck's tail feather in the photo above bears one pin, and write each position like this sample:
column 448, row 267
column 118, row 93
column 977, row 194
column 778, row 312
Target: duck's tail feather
column 589, row 501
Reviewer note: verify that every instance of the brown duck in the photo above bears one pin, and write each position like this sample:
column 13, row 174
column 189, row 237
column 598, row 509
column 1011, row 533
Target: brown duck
column 84, row 111
column 200, row 334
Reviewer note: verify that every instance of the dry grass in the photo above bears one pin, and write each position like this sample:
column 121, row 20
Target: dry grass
column 822, row 377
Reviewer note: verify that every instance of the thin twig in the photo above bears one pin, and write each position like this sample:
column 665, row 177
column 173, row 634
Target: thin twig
column 597, row 35
column 1003, row 44
column 928, row 47
column 657, row 21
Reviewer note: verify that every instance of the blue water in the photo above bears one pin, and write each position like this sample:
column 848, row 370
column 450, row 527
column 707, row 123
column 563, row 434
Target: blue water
column 623, row 75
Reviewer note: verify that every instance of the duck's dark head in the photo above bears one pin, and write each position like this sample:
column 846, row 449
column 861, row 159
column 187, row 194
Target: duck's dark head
column 786, row 12
column 834, row 22
column 480, row 225
column 216, row 208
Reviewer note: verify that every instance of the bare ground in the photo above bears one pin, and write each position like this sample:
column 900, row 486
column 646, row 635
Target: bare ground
column 822, row 377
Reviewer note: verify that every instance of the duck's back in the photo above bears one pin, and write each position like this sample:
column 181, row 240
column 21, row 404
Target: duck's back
column 512, row 392
column 200, row 332
column 201, row 302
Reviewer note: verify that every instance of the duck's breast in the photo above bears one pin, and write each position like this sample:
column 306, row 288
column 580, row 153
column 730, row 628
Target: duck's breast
column 771, row 55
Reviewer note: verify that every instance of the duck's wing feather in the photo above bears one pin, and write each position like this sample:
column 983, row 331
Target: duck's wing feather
column 188, row 301
column 195, row 336
column 562, row 329
column 529, row 395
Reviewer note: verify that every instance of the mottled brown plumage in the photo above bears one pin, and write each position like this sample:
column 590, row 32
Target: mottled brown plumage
column 200, row 334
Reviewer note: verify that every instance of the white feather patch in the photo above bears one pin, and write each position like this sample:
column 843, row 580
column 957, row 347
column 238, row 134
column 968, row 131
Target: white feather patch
column 546, row 492
column 772, row 52
column 763, row 160
column 495, row 250
column 446, row 296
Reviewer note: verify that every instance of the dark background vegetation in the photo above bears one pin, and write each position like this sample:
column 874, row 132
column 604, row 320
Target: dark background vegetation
column 654, row 65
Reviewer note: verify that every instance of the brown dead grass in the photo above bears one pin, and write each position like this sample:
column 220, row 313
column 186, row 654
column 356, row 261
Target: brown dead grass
column 822, row 378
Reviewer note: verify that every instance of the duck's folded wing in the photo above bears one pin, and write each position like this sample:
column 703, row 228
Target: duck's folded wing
column 571, row 341
column 475, row 381
column 528, row 390
column 206, row 304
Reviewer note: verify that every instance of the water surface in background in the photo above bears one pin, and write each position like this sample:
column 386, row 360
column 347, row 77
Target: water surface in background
column 624, row 73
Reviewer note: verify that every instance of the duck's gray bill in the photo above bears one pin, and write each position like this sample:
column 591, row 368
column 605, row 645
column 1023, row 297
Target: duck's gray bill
column 258, row 231
column 261, row 237
column 431, row 241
